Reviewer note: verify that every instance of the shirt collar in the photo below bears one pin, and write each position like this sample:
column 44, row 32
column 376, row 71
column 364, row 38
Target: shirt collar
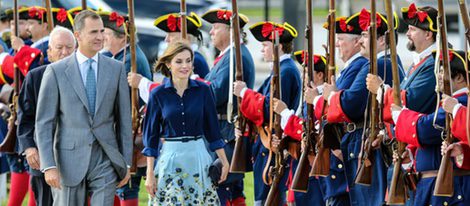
column 460, row 91
column 382, row 54
column 120, row 51
column 354, row 57
column 40, row 41
column 169, row 83
column 225, row 50
column 81, row 58
column 428, row 51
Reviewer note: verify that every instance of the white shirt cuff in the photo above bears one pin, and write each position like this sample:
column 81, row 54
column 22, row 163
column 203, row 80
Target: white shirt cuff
column 381, row 92
column 285, row 116
column 242, row 93
column 45, row 169
column 331, row 95
column 144, row 89
column 456, row 109
column 396, row 115
column 194, row 76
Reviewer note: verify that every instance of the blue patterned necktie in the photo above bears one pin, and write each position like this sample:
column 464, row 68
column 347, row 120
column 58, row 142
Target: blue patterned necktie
column 90, row 87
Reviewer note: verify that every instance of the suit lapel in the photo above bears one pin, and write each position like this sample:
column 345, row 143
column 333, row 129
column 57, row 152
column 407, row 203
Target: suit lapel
column 73, row 74
column 103, row 79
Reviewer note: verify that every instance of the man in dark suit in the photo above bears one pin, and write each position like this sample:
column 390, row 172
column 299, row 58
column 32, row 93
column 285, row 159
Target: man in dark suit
column 61, row 44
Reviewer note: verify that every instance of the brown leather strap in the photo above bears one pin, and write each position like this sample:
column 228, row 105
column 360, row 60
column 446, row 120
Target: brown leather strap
column 433, row 173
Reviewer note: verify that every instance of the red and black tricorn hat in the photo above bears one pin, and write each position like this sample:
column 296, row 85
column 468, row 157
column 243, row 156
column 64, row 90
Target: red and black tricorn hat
column 172, row 23
column 223, row 16
column 422, row 17
column 74, row 11
column 361, row 20
column 456, row 60
column 319, row 61
column 263, row 31
column 343, row 28
column 62, row 18
column 114, row 21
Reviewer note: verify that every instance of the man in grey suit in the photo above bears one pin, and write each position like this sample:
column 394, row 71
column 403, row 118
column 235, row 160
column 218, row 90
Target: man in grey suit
column 83, row 121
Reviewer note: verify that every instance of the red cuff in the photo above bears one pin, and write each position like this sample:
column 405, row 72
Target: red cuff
column 153, row 86
column 459, row 125
column 335, row 111
column 25, row 57
column 8, row 69
column 252, row 107
column 406, row 127
column 294, row 127
column 466, row 156
column 318, row 108
column 388, row 101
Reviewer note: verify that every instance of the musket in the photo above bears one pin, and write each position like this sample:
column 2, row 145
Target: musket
column 9, row 143
column 134, row 97
column 277, row 172
column 445, row 176
column 50, row 18
column 84, row 7
column 397, row 192
column 364, row 172
column 184, row 28
column 301, row 176
column 321, row 163
column 466, row 23
column 240, row 153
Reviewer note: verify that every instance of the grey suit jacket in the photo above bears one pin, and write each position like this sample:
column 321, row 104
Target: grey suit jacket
column 65, row 130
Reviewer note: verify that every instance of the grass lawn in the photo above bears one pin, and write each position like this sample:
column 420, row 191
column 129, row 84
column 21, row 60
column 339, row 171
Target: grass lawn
column 143, row 197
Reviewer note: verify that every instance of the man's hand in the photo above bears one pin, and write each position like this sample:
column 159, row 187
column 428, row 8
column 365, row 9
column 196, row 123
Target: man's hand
column 32, row 156
column 448, row 103
column 279, row 105
column 224, row 172
column 455, row 149
column 238, row 87
column 134, row 79
column 405, row 156
column 373, row 83
column 16, row 43
column 125, row 180
column 52, row 178
column 275, row 141
column 310, row 93
column 329, row 88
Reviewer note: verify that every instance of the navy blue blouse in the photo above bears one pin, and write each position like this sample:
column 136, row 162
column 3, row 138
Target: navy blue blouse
column 171, row 115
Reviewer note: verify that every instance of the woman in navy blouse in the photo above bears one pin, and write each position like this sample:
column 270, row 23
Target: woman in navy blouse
column 182, row 111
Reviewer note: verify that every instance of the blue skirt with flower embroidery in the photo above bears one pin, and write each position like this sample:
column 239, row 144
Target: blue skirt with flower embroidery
column 182, row 175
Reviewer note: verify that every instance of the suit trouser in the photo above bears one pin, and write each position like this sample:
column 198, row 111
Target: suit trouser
column 99, row 182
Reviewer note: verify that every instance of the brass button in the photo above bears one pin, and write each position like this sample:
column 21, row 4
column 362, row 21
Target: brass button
column 340, row 166
column 351, row 155
column 298, row 131
column 333, row 177
column 413, row 123
column 445, row 203
column 263, row 154
column 259, row 111
column 414, row 135
column 459, row 197
column 301, row 122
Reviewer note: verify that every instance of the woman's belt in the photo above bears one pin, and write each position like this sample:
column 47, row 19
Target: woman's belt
column 183, row 139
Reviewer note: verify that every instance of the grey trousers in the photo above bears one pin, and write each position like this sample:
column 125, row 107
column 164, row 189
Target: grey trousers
column 100, row 183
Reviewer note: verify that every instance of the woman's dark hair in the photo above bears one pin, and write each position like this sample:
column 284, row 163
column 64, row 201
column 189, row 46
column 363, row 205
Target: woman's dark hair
column 173, row 49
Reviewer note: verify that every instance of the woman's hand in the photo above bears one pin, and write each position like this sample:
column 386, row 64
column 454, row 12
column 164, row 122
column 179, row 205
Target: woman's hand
column 225, row 169
column 151, row 184
column 225, row 165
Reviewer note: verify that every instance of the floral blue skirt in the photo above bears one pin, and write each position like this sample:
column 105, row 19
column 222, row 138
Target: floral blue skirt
column 182, row 175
